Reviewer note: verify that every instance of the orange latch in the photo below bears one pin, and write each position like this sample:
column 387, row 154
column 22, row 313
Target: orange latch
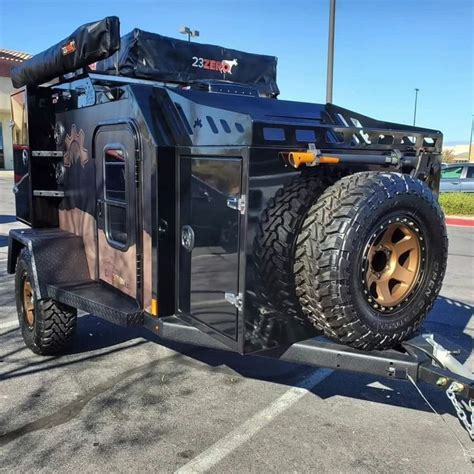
column 298, row 158
column 310, row 158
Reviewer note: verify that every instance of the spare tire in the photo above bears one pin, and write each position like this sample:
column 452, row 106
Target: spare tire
column 275, row 241
column 370, row 259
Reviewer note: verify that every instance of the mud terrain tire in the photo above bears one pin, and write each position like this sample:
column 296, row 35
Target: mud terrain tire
column 345, row 246
column 275, row 241
column 47, row 326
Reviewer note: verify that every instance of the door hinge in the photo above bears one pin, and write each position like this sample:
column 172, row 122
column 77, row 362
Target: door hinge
column 236, row 300
column 139, row 272
column 137, row 174
column 239, row 204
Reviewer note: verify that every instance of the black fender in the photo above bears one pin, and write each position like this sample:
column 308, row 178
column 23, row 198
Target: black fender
column 57, row 257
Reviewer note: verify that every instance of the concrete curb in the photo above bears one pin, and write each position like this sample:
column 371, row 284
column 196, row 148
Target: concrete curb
column 460, row 221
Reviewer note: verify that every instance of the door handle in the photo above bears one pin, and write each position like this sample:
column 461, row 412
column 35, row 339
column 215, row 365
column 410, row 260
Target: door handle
column 187, row 237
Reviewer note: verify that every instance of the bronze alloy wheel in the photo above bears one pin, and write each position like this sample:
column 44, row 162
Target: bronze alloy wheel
column 393, row 262
column 28, row 303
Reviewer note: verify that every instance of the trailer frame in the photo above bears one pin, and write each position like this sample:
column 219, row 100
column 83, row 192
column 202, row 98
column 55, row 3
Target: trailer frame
column 415, row 360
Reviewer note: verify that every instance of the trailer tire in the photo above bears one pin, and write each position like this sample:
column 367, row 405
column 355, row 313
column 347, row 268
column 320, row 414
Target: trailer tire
column 275, row 241
column 47, row 326
column 366, row 273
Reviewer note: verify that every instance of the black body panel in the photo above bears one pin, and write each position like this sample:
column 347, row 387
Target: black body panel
column 209, row 259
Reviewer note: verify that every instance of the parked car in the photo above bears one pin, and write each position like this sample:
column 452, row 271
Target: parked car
column 457, row 178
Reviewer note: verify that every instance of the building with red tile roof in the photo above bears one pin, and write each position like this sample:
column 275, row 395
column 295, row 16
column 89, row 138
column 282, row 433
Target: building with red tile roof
column 8, row 60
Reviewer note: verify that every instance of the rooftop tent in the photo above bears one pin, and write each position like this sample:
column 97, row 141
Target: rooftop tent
column 89, row 43
column 152, row 56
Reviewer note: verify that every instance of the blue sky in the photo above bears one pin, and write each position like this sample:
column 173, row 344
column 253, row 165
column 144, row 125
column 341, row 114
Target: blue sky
column 384, row 48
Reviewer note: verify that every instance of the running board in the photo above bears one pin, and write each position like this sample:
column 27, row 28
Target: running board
column 100, row 300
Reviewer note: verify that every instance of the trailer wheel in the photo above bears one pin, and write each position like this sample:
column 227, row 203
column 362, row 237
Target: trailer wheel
column 275, row 241
column 371, row 258
column 47, row 326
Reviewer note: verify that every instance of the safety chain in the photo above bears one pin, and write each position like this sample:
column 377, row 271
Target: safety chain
column 468, row 453
column 461, row 411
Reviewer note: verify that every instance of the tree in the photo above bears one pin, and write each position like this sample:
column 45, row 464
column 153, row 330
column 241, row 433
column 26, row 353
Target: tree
column 449, row 156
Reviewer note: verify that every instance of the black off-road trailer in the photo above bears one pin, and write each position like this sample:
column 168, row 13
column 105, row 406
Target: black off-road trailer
column 166, row 186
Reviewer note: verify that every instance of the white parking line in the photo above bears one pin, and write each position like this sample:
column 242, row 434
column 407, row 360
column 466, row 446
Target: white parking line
column 218, row 451
column 9, row 324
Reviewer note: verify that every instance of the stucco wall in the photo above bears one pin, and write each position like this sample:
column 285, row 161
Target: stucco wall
column 6, row 89
column 7, row 140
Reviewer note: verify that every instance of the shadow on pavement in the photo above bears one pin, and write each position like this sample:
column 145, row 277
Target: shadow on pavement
column 98, row 335
column 451, row 319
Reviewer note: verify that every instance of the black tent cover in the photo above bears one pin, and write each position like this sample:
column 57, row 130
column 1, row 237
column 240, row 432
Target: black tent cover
column 146, row 55
column 152, row 56
column 89, row 43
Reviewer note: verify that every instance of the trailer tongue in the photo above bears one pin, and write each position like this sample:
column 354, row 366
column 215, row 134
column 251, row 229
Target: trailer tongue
column 424, row 358
column 420, row 359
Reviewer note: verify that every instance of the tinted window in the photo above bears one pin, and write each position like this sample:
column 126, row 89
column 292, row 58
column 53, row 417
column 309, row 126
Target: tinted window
column 305, row 136
column 115, row 184
column 115, row 174
column 117, row 223
column 470, row 172
column 274, row 134
column 452, row 172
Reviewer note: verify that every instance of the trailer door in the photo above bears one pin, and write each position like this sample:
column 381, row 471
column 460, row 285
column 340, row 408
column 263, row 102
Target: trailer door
column 21, row 157
column 209, row 234
column 116, row 152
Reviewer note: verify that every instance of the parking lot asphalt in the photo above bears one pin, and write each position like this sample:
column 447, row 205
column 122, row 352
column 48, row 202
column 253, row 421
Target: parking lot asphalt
column 123, row 400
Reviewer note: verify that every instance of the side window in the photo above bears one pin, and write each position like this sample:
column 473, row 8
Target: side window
column 115, row 196
column 470, row 172
column 451, row 173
